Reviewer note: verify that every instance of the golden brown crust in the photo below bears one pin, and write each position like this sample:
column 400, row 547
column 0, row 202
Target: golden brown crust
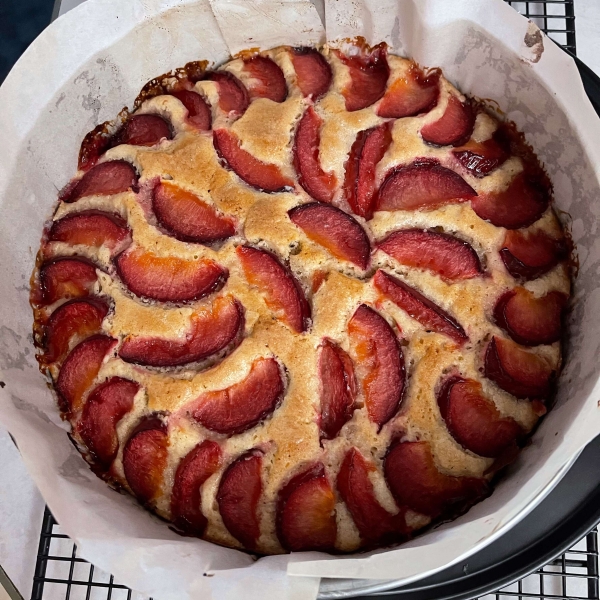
column 290, row 438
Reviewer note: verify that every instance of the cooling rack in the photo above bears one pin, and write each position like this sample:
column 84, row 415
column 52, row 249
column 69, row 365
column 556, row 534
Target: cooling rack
column 555, row 17
column 60, row 574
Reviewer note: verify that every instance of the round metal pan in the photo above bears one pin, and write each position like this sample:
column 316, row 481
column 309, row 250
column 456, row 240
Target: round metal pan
column 564, row 517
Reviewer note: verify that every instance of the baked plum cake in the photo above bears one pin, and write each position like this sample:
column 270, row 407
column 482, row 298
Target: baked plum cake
column 308, row 300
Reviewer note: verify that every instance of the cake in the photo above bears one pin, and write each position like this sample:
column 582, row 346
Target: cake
column 311, row 299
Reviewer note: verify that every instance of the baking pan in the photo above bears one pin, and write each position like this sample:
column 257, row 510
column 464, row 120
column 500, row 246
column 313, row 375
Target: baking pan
column 565, row 516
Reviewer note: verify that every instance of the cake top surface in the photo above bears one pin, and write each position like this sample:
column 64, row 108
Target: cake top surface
column 310, row 300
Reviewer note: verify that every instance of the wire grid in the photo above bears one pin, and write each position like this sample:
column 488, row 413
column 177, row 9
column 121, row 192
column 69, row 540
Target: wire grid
column 571, row 576
column 554, row 17
column 60, row 573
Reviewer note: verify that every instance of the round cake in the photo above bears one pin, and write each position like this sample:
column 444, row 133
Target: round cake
column 311, row 299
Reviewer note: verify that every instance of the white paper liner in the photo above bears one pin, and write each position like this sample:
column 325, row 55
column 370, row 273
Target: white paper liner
column 90, row 63
column 279, row 22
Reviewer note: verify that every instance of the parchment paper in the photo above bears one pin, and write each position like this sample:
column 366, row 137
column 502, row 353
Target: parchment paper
column 87, row 66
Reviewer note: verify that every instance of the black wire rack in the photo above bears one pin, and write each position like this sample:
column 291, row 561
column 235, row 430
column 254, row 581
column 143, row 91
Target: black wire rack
column 60, row 574
column 571, row 576
column 555, row 17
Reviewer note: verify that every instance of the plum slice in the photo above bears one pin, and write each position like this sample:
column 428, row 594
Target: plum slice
column 474, row 421
column 188, row 218
column 192, row 471
column 244, row 404
column 262, row 176
column 199, row 114
column 216, row 328
column 283, row 293
column 238, row 495
column 374, row 523
column 90, row 228
column 521, row 204
column 318, row 279
column 66, row 278
column 145, row 458
column 410, row 95
column 94, row 145
column 137, row 130
column 168, row 279
column 80, row 369
column 106, row 179
column 338, row 388
column 418, row 307
column 369, row 72
column 454, row 127
column 416, row 482
column 481, row 158
column 516, row 370
column 528, row 320
column 313, row 73
column 335, row 230
column 233, row 96
column 359, row 183
column 143, row 130
column 528, row 255
column 424, row 184
column 378, row 352
column 80, row 318
column 451, row 258
column 106, row 405
column 268, row 79
column 318, row 184
column 306, row 512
